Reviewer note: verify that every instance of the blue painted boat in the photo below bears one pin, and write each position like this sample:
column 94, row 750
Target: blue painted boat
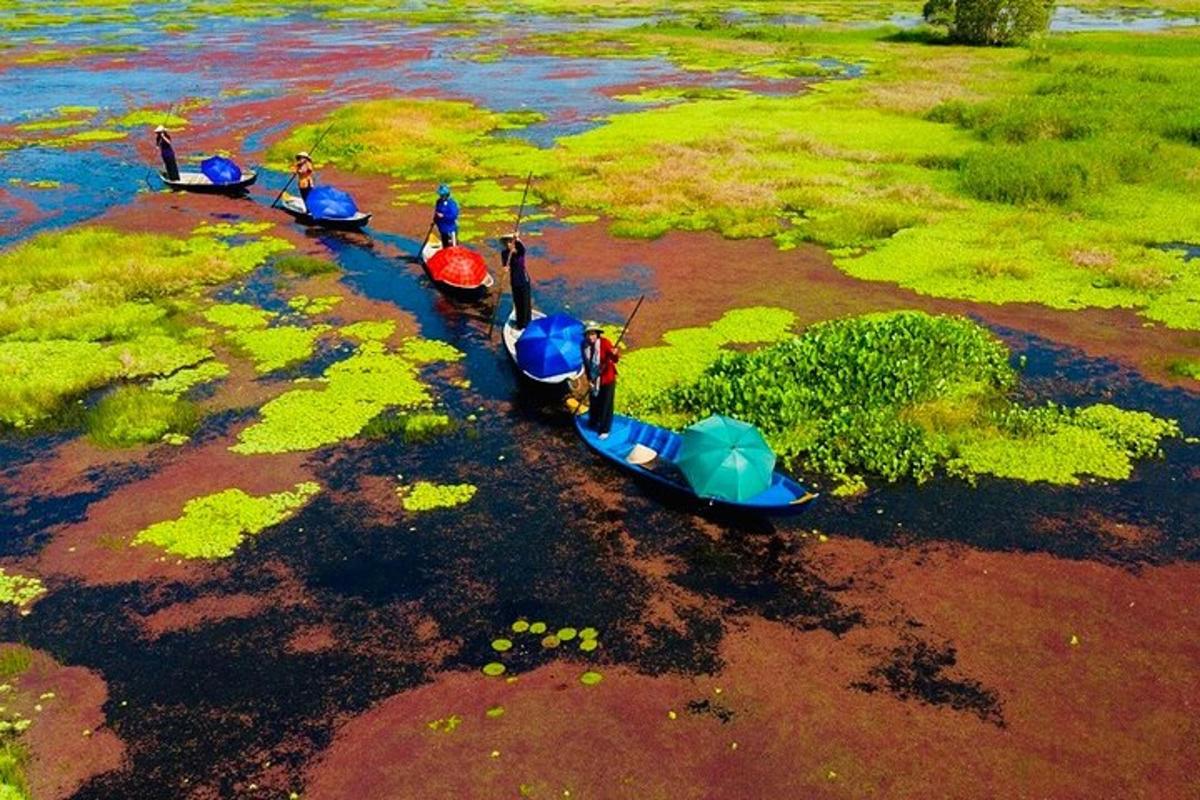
column 649, row 452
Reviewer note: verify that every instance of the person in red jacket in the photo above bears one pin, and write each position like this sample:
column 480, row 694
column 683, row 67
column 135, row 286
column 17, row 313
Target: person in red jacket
column 600, row 359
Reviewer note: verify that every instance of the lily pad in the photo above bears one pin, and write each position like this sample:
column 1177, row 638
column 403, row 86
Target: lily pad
column 520, row 626
column 590, row 678
column 588, row 633
column 550, row 641
column 501, row 645
column 566, row 634
column 537, row 628
column 588, row 645
column 494, row 669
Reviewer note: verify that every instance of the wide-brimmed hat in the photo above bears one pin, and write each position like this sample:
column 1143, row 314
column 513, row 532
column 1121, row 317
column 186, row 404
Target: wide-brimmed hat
column 302, row 154
column 594, row 327
column 160, row 129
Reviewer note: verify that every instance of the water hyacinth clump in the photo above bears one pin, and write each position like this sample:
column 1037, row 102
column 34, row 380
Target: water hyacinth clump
column 213, row 526
column 898, row 395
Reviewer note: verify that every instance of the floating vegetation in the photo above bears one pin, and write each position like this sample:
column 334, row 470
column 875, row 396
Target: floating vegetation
column 238, row 316
column 426, row 496
column 19, row 590
column 446, row 724
column 566, row 634
column 1186, row 368
column 369, row 330
column 899, row 394
column 150, row 117
column 493, row 669
column 313, row 306
column 550, row 642
column 648, row 371
column 520, row 626
column 413, row 428
column 495, row 712
column 84, row 307
column 133, row 415
column 355, row 391
column 213, row 526
column 590, row 678
column 501, row 645
column 279, row 347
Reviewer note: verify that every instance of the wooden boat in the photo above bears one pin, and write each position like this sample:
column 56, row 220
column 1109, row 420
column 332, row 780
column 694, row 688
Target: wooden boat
column 199, row 182
column 432, row 246
column 510, row 334
column 649, row 452
column 294, row 206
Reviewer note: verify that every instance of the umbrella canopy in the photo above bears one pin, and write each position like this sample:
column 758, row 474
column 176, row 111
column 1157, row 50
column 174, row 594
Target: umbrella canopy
column 327, row 202
column 458, row 267
column 220, row 170
column 551, row 346
column 726, row 459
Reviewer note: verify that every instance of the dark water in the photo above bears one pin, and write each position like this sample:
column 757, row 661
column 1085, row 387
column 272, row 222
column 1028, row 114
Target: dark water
column 213, row 703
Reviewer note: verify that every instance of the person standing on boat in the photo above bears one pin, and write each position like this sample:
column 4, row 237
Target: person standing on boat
column 513, row 259
column 445, row 216
column 600, row 359
column 306, row 176
column 167, row 150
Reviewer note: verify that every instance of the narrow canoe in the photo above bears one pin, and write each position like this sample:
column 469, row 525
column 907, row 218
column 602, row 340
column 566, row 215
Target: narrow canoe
column 649, row 452
column 294, row 206
column 199, row 182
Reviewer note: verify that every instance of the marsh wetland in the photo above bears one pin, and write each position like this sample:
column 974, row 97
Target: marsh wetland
column 281, row 520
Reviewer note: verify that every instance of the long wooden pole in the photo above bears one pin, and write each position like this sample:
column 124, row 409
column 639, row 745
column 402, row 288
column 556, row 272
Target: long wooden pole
column 292, row 177
column 516, row 232
column 617, row 343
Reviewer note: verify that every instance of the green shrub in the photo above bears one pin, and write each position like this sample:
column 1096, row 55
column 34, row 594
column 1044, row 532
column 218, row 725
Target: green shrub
column 998, row 22
column 132, row 415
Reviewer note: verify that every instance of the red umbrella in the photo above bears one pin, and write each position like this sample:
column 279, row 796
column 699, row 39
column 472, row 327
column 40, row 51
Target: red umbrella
column 458, row 267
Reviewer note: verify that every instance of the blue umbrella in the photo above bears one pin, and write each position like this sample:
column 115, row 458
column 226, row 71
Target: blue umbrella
column 220, row 170
column 326, row 202
column 551, row 346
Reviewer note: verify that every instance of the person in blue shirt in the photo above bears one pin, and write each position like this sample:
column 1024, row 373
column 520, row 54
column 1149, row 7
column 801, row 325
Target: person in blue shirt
column 445, row 216
column 513, row 259
column 167, row 150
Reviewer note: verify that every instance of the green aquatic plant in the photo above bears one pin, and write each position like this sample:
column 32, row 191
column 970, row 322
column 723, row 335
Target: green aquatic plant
column 15, row 659
column 83, row 307
column 426, row 496
column 902, row 394
column 685, row 353
column 313, row 306
column 19, row 590
column 214, row 525
column 369, row 330
column 412, row 427
column 354, row 392
column 590, row 678
column 279, row 347
column 238, row 316
column 14, row 760
column 150, row 117
column 1186, row 368
column 416, row 139
column 133, row 415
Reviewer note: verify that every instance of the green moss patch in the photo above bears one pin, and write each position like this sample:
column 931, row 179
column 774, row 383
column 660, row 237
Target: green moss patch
column 304, row 265
column 132, row 415
column 354, row 392
column 213, row 526
column 313, row 306
column 238, row 316
column 279, row 347
column 369, row 330
column 426, row 496
column 900, row 395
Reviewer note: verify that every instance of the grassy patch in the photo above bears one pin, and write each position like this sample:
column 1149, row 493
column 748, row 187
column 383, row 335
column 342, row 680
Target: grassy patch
column 82, row 308
column 304, row 265
column 213, row 526
column 132, row 415
column 902, row 395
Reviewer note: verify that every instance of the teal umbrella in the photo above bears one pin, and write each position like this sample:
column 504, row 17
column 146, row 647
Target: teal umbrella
column 726, row 459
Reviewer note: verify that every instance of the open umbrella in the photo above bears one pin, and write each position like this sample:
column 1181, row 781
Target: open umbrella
column 327, row 202
column 551, row 346
column 220, row 170
column 726, row 459
column 458, row 267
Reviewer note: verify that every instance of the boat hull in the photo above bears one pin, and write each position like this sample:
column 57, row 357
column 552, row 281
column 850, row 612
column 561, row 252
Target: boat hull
column 199, row 183
column 294, row 207
column 510, row 334
column 432, row 245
